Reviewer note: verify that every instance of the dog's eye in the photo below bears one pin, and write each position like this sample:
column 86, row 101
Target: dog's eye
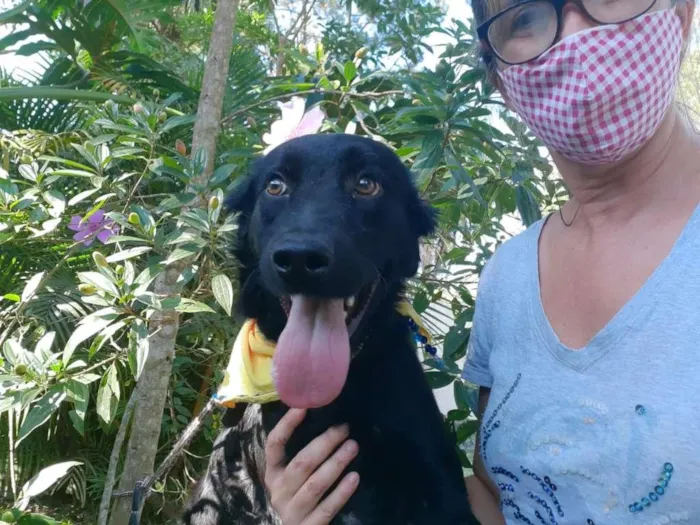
column 276, row 187
column 367, row 187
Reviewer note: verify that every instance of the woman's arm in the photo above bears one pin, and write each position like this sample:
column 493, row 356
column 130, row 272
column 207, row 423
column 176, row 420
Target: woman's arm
column 483, row 494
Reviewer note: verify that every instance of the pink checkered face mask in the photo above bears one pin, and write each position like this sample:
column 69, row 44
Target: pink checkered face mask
column 599, row 95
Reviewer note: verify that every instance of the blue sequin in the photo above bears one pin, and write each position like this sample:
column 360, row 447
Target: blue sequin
column 640, row 410
column 539, row 517
column 503, row 401
column 658, row 491
column 431, row 349
column 517, row 514
column 546, row 488
column 543, row 503
column 504, row 472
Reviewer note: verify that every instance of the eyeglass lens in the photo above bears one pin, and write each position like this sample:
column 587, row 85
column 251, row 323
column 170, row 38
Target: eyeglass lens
column 526, row 30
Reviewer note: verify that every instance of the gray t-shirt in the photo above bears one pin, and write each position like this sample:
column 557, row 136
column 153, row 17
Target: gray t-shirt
column 608, row 434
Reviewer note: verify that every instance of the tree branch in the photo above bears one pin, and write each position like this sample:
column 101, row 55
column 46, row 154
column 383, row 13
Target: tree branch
column 114, row 460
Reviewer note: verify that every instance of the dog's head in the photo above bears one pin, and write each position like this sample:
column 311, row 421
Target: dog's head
column 326, row 222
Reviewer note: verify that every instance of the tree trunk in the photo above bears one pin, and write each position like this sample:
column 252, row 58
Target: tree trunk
column 211, row 100
column 152, row 387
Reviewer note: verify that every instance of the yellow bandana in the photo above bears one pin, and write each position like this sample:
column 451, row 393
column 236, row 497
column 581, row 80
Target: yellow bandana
column 248, row 377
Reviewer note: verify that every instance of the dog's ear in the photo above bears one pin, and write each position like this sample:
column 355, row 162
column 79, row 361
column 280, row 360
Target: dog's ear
column 241, row 197
column 422, row 217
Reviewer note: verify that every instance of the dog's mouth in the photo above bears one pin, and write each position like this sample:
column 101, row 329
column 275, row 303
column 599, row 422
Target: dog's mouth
column 353, row 306
column 313, row 352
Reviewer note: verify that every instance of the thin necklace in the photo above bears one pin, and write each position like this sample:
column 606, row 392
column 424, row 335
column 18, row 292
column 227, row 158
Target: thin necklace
column 568, row 224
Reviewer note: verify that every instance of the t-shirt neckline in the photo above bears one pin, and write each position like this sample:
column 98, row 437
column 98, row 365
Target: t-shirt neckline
column 638, row 307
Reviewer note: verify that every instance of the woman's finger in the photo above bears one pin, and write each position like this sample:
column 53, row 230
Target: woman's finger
column 335, row 501
column 278, row 438
column 311, row 457
column 325, row 477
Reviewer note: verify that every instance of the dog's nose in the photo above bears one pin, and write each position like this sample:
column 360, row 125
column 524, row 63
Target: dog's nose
column 301, row 261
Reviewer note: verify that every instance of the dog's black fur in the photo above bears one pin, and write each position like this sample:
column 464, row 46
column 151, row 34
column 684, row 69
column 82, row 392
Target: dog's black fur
column 409, row 470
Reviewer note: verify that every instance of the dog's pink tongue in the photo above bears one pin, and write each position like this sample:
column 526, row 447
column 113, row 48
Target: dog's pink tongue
column 313, row 353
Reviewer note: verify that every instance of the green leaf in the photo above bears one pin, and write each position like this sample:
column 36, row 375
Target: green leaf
column 82, row 196
column 175, row 122
column 455, row 340
column 56, row 200
column 438, row 379
column 99, row 281
column 461, row 396
column 45, row 479
column 222, row 288
column 42, row 350
column 218, row 198
column 457, row 415
column 527, row 206
column 83, row 332
column 14, row 353
column 7, row 16
column 191, row 306
column 420, row 302
column 182, row 252
column 350, row 71
column 105, row 335
column 42, row 411
column 108, row 395
column 124, row 238
column 27, row 170
column 195, row 220
column 139, row 344
column 429, row 157
column 467, row 430
column 74, row 173
column 52, row 93
column 221, row 174
column 12, row 297
column 128, row 254
column 31, row 286
column 79, row 394
column 78, row 421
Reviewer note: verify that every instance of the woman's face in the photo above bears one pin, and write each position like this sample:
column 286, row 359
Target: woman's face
column 574, row 20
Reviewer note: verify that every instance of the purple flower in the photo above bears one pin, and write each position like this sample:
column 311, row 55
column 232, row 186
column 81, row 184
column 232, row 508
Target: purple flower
column 96, row 226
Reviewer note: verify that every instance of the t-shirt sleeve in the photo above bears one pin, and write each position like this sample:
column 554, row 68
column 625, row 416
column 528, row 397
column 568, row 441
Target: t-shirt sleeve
column 476, row 368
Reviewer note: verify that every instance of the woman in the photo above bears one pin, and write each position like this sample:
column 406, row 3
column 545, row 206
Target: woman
column 585, row 333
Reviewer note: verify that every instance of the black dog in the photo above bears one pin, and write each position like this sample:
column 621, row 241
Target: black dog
column 328, row 232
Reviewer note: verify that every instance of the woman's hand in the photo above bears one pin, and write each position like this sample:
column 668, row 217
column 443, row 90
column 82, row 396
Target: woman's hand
column 296, row 490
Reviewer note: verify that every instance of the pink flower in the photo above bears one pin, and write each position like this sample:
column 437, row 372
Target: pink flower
column 96, row 226
column 294, row 123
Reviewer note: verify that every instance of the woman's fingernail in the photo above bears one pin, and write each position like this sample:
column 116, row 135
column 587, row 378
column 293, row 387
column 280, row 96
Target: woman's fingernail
column 350, row 447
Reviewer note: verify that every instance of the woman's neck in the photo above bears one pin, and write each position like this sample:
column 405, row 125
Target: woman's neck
column 662, row 176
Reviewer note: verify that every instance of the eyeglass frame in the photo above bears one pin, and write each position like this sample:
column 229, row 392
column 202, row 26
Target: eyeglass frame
column 483, row 30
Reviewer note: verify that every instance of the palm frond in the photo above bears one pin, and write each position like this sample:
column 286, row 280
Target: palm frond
column 246, row 74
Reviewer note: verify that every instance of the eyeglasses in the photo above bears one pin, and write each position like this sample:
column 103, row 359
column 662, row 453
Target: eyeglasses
column 526, row 29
